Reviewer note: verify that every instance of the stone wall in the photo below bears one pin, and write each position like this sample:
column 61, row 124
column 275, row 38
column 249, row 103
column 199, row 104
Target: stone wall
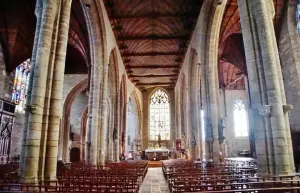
column 233, row 144
column 289, row 52
column 69, row 82
column 78, row 106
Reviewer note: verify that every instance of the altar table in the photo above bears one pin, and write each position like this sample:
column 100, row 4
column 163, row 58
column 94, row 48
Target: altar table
column 157, row 154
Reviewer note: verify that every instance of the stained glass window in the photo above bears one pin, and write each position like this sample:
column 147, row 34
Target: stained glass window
column 298, row 16
column 240, row 119
column 159, row 116
column 20, row 86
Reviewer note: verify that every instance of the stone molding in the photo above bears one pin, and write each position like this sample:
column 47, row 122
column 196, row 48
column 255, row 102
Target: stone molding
column 265, row 110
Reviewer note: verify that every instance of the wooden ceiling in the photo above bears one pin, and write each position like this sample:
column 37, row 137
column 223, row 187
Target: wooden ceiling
column 17, row 31
column 232, row 63
column 153, row 36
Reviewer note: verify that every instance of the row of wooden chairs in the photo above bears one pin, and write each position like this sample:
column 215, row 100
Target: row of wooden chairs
column 184, row 176
column 114, row 177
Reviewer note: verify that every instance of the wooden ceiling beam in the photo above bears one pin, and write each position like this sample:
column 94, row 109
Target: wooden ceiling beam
column 154, row 54
column 152, row 37
column 153, row 76
column 156, row 84
column 152, row 66
column 154, row 15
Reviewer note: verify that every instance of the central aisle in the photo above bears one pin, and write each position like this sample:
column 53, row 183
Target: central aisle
column 154, row 182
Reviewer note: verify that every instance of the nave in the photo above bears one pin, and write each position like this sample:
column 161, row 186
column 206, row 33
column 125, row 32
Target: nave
column 94, row 93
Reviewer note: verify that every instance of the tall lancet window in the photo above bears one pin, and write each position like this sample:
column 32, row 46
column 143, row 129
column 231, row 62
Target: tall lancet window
column 240, row 119
column 159, row 116
column 20, row 86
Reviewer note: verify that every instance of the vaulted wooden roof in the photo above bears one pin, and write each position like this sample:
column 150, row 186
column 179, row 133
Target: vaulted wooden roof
column 17, row 31
column 153, row 36
column 232, row 63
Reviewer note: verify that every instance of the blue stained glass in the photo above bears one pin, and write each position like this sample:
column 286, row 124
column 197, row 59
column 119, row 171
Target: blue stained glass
column 20, row 86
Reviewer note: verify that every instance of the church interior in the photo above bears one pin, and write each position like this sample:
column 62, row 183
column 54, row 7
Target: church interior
column 150, row 96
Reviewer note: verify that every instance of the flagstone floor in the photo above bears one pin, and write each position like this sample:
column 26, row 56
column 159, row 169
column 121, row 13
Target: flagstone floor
column 154, row 182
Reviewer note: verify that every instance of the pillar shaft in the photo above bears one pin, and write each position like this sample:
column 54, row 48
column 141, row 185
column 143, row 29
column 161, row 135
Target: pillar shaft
column 204, row 108
column 38, row 13
column 32, row 144
column 272, row 137
column 55, row 111
column 212, row 84
column 103, row 116
column 194, row 113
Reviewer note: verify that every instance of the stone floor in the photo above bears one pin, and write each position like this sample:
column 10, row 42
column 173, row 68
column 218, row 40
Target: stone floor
column 154, row 182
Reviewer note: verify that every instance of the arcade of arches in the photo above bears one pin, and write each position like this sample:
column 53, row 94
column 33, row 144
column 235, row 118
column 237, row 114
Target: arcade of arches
column 99, row 81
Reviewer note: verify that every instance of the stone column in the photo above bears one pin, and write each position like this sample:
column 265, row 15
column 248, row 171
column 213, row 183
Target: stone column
column 116, row 134
column 206, row 147
column 55, row 111
column 88, row 156
column 29, row 172
column 103, row 117
column 38, row 13
column 45, row 123
column 272, row 143
column 94, row 124
column 212, row 82
column 193, row 113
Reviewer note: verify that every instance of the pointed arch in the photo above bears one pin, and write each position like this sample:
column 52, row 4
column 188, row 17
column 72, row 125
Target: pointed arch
column 139, row 111
column 159, row 115
column 65, row 123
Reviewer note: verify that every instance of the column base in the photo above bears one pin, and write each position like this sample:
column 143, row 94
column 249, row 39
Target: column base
column 29, row 180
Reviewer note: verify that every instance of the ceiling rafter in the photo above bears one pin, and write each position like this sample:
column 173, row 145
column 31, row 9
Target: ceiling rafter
column 155, row 84
column 153, row 76
column 154, row 54
column 151, row 37
column 153, row 66
column 154, row 15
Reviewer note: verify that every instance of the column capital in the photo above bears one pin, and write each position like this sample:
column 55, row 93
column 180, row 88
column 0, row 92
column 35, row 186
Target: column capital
column 287, row 107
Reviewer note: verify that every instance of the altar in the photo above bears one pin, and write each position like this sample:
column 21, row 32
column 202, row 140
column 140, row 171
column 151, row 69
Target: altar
column 157, row 154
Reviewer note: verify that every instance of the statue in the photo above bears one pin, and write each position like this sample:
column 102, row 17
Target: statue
column 193, row 140
column 159, row 140
column 221, row 131
column 115, row 134
column 208, row 130
column 183, row 139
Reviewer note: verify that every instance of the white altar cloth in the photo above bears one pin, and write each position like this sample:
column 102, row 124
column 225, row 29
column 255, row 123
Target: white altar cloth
column 157, row 150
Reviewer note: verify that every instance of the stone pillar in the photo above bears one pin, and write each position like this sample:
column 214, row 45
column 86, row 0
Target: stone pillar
column 88, row 149
column 212, row 82
column 29, row 172
column 38, row 13
column 194, row 114
column 205, row 149
column 92, row 137
column 45, row 123
column 55, row 111
column 116, row 134
column 272, row 137
column 103, row 117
